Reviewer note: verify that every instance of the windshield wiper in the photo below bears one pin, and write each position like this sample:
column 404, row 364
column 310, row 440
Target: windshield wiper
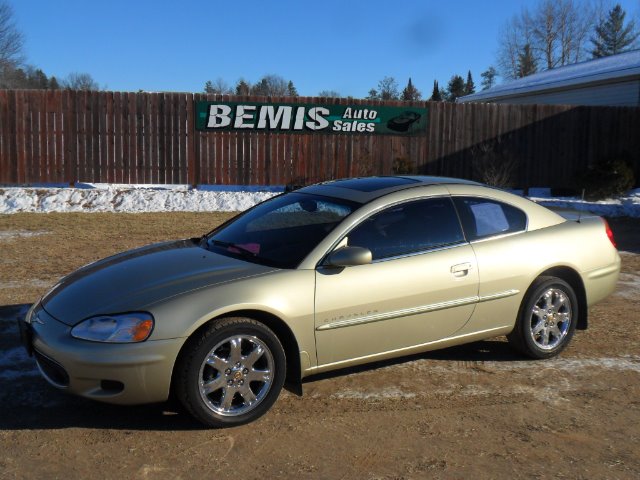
column 230, row 245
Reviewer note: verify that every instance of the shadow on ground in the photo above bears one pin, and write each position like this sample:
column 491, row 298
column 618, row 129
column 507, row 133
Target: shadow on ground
column 477, row 352
column 626, row 231
column 28, row 402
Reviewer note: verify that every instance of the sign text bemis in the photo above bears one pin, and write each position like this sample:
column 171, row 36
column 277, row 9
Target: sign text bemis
column 310, row 118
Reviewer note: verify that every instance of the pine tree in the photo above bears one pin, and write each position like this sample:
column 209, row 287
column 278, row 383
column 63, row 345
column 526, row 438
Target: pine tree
column 53, row 83
column 469, row 87
column 436, row 95
column 612, row 36
column 411, row 93
column 243, row 87
column 208, row 87
column 527, row 64
column 455, row 88
column 291, row 89
column 488, row 78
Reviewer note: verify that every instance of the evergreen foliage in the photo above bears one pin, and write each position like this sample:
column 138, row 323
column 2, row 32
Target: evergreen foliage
column 436, row 95
column 488, row 78
column 612, row 36
column 291, row 89
column 609, row 177
column 469, row 86
column 455, row 88
column 243, row 87
column 527, row 63
column 411, row 93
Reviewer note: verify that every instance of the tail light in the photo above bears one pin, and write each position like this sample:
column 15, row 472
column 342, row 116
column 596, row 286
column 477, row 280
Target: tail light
column 607, row 229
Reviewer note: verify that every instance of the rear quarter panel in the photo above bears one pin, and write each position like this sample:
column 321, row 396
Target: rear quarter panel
column 513, row 262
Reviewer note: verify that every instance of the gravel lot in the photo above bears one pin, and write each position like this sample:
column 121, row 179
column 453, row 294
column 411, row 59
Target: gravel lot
column 476, row 411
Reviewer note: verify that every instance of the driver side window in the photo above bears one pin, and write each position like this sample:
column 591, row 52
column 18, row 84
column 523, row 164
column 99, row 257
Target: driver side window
column 409, row 228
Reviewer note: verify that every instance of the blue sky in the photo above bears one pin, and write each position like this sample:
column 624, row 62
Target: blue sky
column 347, row 45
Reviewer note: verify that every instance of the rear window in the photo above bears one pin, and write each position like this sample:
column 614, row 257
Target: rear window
column 483, row 218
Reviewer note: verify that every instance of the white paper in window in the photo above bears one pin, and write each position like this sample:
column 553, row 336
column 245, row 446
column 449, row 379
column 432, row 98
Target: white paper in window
column 490, row 219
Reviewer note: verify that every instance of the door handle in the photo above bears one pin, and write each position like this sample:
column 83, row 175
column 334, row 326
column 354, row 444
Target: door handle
column 461, row 269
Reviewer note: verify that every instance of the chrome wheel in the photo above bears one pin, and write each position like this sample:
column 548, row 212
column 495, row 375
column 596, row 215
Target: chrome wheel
column 236, row 375
column 551, row 318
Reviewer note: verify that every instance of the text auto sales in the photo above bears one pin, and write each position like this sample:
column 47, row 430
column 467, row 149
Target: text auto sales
column 287, row 117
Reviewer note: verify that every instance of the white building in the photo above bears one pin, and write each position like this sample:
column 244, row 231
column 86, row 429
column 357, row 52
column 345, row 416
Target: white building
column 610, row 81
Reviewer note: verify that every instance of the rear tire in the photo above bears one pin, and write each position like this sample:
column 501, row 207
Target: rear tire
column 547, row 319
column 231, row 373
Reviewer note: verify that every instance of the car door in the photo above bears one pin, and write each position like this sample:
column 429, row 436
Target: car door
column 496, row 232
column 421, row 286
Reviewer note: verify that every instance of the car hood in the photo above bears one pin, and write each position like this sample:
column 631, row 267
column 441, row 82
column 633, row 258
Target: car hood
column 134, row 280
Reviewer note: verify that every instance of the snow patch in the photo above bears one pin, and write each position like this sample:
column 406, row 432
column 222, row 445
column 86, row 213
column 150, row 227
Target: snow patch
column 631, row 363
column 385, row 394
column 128, row 198
column 627, row 205
column 34, row 283
column 13, row 234
column 534, row 369
column 628, row 286
column 134, row 198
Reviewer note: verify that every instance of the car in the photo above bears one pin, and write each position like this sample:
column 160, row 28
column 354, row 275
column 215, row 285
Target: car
column 328, row 276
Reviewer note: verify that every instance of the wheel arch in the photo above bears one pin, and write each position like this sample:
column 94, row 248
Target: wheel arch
column 279, row 328
column 572, row 277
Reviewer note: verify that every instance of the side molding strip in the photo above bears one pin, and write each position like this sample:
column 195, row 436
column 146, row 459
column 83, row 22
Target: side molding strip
column 415, row 311
column 398, row 351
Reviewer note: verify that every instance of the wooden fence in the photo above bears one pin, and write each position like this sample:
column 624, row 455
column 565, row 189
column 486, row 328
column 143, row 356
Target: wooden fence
column 67, row 136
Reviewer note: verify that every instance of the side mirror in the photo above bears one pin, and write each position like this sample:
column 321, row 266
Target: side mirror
column 349, row 257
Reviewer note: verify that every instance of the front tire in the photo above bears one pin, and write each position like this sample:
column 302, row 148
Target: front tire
column 547, row 319
column 231, row 373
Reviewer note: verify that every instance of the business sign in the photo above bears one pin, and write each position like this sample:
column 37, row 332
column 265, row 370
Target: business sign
column 310, row 118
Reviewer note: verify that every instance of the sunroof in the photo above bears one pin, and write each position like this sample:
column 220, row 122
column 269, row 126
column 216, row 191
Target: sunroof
column 371, row 184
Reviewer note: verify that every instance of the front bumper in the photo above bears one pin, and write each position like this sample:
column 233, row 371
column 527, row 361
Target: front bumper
column 127, row 374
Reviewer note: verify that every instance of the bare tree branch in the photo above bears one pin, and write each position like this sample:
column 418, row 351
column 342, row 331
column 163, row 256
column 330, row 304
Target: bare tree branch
column 80, row 81
column 556, row 30
column 11, row 39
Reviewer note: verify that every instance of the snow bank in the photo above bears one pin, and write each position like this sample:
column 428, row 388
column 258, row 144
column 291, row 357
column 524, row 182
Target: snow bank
column 129, row 198
column 625, row 206
column 214, row 198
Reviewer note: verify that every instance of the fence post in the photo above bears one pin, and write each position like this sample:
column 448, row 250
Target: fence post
column 193, row 175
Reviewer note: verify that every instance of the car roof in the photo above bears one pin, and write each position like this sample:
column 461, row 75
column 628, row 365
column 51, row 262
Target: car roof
column 365, row 189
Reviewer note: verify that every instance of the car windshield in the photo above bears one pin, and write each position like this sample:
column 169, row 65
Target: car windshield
column 280, row 232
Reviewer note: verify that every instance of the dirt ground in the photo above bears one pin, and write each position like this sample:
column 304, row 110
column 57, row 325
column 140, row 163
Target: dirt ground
column 476, row 411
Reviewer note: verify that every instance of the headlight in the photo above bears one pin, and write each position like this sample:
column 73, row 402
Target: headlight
column 121, row 328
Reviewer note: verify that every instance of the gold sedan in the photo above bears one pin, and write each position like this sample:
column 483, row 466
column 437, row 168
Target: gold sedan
column 328, row 276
